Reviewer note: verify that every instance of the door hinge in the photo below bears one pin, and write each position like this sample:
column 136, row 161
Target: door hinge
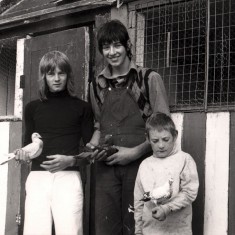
column 22, row 81
column 18, row 219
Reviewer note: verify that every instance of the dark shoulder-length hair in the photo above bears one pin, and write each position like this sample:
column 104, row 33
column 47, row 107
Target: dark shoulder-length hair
column 113, row 31
column 49, row 62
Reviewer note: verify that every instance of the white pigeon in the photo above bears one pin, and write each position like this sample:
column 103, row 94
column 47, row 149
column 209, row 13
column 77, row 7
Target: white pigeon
column 159, row 194
column 34, row 149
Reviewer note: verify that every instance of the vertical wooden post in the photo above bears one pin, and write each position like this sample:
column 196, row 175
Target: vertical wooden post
column 231, row 192
column 19, row 71
column 194, row 143
column 14, row 181
column 216, row 174
column 140, row 39
column 4, row 148
column 132, row 31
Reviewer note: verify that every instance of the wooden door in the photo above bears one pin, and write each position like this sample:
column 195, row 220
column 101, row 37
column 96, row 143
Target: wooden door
column 74, row 43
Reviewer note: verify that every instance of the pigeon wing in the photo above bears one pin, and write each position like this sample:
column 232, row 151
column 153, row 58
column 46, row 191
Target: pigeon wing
column 34, row 149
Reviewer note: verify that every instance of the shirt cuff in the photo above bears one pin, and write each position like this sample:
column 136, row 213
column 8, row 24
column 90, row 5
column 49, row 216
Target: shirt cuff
column 97, row 126
column 166, row 209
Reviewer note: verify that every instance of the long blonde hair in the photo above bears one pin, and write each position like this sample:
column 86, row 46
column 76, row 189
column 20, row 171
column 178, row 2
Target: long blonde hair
column 48, row 63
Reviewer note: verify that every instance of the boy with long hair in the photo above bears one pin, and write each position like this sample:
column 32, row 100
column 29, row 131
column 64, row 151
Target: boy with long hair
column 54, row 187
column 122, row 96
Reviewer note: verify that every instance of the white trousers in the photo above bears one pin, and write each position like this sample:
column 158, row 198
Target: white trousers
column 53, row 196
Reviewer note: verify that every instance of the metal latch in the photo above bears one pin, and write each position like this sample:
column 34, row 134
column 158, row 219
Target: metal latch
column 22, row 81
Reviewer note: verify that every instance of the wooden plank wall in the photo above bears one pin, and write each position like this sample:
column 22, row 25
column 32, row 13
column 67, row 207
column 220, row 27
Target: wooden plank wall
column 209, row 139
column 15, row 141
column 216, row 173
column 14, row 181
column 194, row 143
column 231, row 205
column 4, row 146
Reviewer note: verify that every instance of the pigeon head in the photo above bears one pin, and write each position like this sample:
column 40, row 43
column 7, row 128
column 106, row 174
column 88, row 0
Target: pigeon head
column 36, row 135
column 146, row 197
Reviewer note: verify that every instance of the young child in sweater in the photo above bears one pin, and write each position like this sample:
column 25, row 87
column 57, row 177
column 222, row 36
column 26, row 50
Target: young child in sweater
column 166, row 184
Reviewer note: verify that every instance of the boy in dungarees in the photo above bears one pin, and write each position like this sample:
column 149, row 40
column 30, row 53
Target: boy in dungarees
column 122, row 97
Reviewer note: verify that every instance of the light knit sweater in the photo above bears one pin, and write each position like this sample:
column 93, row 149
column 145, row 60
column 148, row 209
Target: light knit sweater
column 155, row 172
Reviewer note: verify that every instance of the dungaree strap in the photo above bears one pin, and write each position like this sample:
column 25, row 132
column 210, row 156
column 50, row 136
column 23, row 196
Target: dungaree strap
column 146, row 76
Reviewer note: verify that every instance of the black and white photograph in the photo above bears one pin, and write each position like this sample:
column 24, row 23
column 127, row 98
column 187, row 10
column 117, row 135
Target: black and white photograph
column 117, row 117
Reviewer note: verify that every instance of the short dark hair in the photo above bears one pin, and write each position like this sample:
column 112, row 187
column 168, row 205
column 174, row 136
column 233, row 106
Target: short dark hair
column 114, row 31
column 161, row 121
column 48, row 63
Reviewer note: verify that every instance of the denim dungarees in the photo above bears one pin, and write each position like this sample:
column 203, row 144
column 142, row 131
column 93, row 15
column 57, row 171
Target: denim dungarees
column 121, row 118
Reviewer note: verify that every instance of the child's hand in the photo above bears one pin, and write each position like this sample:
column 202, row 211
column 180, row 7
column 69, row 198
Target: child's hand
column 158, row 213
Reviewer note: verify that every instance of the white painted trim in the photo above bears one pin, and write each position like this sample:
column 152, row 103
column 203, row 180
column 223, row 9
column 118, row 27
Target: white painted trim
column 4, row 148
column 178, row 119
column 216, row 173
column 19, row 71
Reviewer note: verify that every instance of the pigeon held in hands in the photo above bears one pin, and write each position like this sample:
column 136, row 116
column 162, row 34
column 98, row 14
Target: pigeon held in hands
column 108, row 149
column 160, row 194
column 34, row 149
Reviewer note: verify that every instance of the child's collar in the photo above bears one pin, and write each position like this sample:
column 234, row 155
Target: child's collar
column 107, row 71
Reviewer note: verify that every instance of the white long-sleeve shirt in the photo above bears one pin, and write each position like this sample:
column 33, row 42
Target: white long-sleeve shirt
column 155, row 172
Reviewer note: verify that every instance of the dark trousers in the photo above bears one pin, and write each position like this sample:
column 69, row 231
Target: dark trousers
column 113, row 196
column 114, row 185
